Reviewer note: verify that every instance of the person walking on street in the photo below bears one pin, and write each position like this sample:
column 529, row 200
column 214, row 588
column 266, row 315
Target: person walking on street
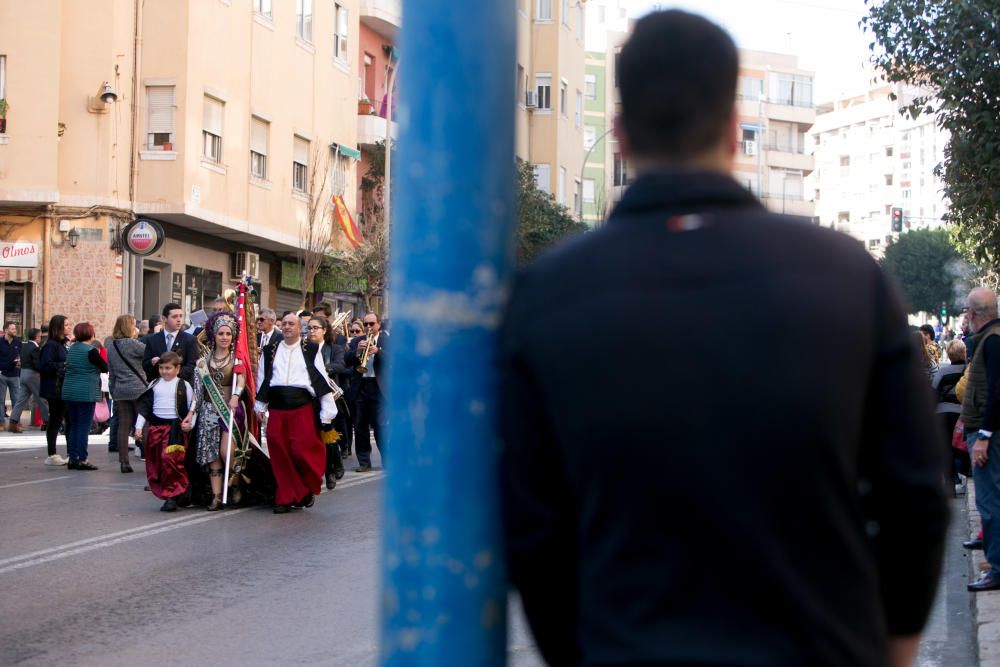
column 814, row 540
column 333, row 360
column 368, row 389
column 51, row 368
column 31, row 353
column 127, row 382
column 297, row 395
column 10, row 377
column 81, row 390
column 981, row 417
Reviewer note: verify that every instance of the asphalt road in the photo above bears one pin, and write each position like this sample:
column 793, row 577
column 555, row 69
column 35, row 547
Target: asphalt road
column 92, row 573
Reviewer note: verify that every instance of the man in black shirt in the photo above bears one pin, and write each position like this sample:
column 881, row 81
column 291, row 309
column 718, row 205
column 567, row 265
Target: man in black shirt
column 10, row 377
column 30, row 380
column 767, row 513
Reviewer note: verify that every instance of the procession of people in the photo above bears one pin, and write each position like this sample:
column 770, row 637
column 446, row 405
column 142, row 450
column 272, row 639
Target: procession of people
column 234, row 412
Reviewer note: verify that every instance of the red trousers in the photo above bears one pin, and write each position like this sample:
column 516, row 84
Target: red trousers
column 165, row 469
column 298, row 456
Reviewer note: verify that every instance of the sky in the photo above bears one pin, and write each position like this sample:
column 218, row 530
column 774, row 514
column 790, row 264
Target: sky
column 824, row 34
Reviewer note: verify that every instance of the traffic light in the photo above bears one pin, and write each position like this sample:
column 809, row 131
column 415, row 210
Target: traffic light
column 897, row 220
column 944, row 310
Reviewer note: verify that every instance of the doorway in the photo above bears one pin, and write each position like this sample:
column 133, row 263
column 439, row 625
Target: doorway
column 150, row 293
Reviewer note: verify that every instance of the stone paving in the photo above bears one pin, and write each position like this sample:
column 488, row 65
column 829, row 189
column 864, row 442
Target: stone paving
column 985, row 606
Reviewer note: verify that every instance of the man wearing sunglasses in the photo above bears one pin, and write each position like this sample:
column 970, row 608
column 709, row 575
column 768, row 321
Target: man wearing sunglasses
column 266, row 332
column 367, row 389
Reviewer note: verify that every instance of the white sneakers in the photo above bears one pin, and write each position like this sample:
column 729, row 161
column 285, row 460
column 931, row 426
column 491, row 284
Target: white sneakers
column 55, row 460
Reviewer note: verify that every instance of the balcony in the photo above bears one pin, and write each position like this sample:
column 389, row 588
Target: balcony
column 371, row 130
column 789, row 157
column 383, row 16
column 791, row 204
column 790, row 113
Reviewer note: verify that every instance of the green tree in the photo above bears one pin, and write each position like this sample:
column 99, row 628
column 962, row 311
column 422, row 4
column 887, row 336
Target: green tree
column 540, row 220
column 950, row 47
column 928, row 269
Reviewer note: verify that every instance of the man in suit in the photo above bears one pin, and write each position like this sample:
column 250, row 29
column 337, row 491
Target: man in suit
column 267, row 333
column 731, row 536
column 367, row 391
column 173, row 338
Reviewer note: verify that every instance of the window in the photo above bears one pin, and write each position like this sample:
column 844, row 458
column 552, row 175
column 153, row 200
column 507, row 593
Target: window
column 576, row 196
column 543, row 84
column 3, row 90
column 845, row 160
column 791, row 89
column 561, row 186
column 519, row 85
column 338, row 174
column 300, row 165
column 750, row 88
column 212, row 129
column 263, row 7
column 888, row 151
column 589, row 137
column 544, row 10
column 542, row 177
column 888, row 179
column 367, row 77
column 562, row 97
column 590, row 86
column 578, row 115
column 619, row 173
column 160, row 118
column 259, row 130
column 304, row 20
column 579, row 22
column 588, row 191
column 340, row 38
column 565, row 13
column 873, row 244
column 905, row 194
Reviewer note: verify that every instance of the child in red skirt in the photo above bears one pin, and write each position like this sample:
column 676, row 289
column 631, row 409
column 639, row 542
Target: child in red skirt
column 160, row 408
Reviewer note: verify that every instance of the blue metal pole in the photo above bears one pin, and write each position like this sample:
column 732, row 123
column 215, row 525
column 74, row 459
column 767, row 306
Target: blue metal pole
column 444, row 586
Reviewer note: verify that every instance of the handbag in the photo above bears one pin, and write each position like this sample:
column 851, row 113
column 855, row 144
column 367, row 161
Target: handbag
column 958, row 437
column 101, row 412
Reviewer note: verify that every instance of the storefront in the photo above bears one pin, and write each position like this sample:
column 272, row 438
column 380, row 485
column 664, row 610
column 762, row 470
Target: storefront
column 19, row 276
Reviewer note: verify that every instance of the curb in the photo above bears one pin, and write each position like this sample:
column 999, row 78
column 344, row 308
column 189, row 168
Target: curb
column 985, row 606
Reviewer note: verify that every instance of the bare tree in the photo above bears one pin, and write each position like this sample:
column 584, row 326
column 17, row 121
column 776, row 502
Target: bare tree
column 316, row 229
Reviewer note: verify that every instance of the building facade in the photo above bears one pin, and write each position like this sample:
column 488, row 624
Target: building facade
column 776, row 110
column 550, row 96
column 870, row 160
column 222, row 118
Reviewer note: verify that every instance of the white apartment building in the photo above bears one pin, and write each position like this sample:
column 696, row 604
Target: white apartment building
column 870, row 159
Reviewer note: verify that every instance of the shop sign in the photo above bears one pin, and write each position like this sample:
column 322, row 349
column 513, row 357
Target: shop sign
column 19, row 254
column 143, row 237
column 291, row 276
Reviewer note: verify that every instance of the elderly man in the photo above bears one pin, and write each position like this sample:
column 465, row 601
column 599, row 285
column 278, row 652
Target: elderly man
column 653, row 562
column 981, row 416
column 267, row 333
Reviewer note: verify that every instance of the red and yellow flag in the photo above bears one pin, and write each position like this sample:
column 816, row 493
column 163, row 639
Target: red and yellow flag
column 346, row 222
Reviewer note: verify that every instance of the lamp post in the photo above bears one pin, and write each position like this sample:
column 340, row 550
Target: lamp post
column 583, row 167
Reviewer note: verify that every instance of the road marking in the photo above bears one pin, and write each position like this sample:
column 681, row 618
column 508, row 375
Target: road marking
column 66, row 551
column 16, row 451
column 37, row 481
column 369, row 477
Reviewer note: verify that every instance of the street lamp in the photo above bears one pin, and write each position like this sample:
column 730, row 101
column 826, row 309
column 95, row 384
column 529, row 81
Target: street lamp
column 583, row 167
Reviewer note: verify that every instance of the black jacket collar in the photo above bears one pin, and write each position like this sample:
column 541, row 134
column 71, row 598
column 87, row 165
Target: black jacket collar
column 679, row 191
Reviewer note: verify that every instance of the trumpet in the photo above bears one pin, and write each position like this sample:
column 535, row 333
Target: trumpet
column 370, row 343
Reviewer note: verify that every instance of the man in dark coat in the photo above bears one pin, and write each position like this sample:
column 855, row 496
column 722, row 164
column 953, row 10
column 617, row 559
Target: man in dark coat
column 179, row 340
column 765, row 514
column 367, row 390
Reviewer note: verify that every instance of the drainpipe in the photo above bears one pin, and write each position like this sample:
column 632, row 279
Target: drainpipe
column 387, row 181
column 132, row 265
column 444, row 592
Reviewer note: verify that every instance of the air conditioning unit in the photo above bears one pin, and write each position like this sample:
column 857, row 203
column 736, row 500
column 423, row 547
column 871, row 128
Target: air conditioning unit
column 531, row 99
column 245, row 261
column 749, row 147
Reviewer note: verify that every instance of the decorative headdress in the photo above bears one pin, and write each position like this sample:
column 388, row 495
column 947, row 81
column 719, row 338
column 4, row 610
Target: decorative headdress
column 222, row 319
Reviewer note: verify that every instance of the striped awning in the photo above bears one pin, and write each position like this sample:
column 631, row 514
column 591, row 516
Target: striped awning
column 19, row 275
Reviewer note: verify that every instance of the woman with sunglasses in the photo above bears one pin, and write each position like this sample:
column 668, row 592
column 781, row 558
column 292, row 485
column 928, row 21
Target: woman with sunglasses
column 318, row 331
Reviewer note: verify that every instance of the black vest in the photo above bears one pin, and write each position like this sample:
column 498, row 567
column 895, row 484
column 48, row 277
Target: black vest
column 318, row 381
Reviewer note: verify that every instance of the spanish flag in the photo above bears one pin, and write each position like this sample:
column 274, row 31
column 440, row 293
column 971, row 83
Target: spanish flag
column 346, row 222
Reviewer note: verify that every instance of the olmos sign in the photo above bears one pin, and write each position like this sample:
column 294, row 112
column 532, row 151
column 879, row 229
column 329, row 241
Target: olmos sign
column 143, row 237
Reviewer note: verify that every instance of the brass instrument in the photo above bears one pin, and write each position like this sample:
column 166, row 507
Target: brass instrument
column 370, row 342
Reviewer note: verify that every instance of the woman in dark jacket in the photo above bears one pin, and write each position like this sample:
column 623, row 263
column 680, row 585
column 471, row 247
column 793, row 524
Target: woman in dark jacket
column 81, row 390
column 126, row 382
column 51, row 362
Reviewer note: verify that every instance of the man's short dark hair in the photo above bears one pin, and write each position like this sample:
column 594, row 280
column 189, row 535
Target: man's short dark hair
column 324, row 309
column 677, row 76
column 33, row 333
column 170, row 306
column 7, row 323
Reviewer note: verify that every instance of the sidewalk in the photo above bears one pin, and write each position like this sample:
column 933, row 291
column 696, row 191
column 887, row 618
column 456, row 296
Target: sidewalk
column 985, row 606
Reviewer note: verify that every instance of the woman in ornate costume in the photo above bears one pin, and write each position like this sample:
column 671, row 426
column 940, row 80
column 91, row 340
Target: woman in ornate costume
column 219, row 385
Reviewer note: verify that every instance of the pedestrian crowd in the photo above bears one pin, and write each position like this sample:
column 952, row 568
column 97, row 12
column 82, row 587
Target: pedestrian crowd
column 181, row 393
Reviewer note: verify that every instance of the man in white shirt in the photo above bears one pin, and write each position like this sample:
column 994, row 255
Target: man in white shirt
column 296, row 392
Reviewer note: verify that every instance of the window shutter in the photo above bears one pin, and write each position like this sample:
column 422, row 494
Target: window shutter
column 300, row 152
column 161, row 109
column 258, row 136
column 213, row 116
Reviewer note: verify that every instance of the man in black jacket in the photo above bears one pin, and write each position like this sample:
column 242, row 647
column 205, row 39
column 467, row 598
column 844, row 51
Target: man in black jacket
column 768, row 514
column 368, row 390
column 173, row 338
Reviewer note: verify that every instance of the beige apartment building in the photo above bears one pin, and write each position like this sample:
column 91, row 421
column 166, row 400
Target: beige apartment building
column 776, row 111
column 550, row 95
column 210, row 117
